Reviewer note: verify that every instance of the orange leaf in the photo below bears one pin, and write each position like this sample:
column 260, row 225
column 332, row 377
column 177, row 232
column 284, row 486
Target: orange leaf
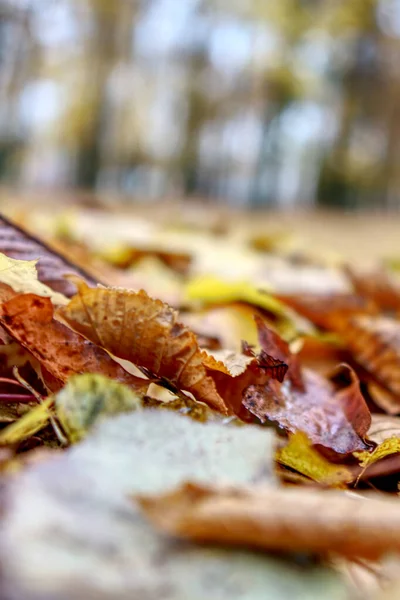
column 133, row 326
column 331, row 312
column 61, row 351
column 280, row 519
column 375, row 344
column 377, row 286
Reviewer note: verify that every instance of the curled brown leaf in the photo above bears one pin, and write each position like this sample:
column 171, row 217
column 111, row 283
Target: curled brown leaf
column 135, row 327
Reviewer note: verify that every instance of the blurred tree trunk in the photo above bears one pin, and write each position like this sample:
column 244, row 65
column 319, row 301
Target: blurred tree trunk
column 106, row 45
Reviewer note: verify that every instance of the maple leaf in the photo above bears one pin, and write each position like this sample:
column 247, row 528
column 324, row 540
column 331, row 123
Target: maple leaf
column 280, row 519
column 332, row 417
column 135, row 327
column 61, row 352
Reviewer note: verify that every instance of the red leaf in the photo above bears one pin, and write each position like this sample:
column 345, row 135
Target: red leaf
column 332, row 417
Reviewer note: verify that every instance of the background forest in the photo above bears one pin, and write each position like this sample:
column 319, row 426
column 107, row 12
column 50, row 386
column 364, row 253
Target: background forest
column 285, row 103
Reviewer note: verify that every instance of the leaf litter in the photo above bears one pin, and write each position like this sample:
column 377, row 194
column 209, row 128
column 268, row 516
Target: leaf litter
column 217, row 458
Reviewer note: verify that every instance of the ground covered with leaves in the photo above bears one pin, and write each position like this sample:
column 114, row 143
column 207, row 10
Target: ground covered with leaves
column 194, row 407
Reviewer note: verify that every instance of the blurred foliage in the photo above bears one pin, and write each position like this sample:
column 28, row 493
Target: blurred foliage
column 258, row 101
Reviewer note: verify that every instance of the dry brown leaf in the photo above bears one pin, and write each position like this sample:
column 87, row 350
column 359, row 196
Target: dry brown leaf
column 291, row 519
column 375, row 345
column 133, row 326
column 61, row 351
column 378, row 286
column 332, row 414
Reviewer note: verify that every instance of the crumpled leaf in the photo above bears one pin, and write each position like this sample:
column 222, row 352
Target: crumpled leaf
column 61, row 351
column 276, row 356
column 22, row 277
column 146, row 332
column 375, row 345
column 280, row 519
column 83, row 496
column 17, row 243
column 332, row 415
column 298, row 454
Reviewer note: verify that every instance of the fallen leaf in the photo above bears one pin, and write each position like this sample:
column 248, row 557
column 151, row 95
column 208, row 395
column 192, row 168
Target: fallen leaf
column 383, row 427
column 78, row 406
column 331, row 312
column 226, row 361
column 276, row 356
column 85, row 399
column 298, row 454
column 386, row 448
column 229, row 324
column 377, row 285
column 384, row 398
column 152, row 275
column 335, row 418
column 29, row 424
column 17, row 243
column 61, row 351
column 22, row 277
column 299, row 519
column 146, row 332
column 216, row 291
column 375, row 345
column 322, row 352
column 103, row 547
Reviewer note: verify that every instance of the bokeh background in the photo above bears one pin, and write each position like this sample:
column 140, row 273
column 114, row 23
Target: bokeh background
column 280, row 103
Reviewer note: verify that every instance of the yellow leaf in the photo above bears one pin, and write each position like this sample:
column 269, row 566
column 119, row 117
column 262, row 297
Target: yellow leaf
column 386, row 448
column 209, row 289
column 32, row 422
column 21, row 276
column 83, row 401
column 299, row 455
column 89, row 397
